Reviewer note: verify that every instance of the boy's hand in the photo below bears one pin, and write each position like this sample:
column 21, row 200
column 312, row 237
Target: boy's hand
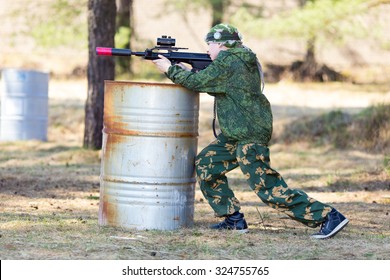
column 183, row 66
column 162, row 63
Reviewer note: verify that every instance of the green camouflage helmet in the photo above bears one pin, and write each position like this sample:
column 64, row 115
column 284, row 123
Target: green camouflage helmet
column 226, row 34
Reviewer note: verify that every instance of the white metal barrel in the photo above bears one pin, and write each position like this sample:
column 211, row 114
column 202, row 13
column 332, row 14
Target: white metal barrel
column 24, row 105
column 149, row 147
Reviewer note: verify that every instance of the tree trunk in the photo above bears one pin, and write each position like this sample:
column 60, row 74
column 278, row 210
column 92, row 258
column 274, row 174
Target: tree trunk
column 124, row 12
column 101, row 31
column 307, row 70
column 124, row 19
column 309, row 66
column 218, row 10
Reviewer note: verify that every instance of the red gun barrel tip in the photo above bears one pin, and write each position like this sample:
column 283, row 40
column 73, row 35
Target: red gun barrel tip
column 104, row 51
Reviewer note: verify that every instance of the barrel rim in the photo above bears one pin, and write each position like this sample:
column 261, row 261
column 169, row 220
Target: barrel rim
column 6, row 69
column 143, row 84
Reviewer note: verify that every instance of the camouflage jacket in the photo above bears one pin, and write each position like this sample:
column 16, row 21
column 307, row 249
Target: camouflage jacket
column 244, row 113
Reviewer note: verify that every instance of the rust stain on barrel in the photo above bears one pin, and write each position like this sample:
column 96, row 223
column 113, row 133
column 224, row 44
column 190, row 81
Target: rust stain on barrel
column 109, row 212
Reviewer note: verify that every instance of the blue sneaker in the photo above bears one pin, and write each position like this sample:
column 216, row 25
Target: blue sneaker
column 235, row 222
column 335, row 221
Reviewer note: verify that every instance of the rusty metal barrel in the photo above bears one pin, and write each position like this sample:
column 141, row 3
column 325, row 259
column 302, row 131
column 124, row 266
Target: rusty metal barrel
column 150, row 140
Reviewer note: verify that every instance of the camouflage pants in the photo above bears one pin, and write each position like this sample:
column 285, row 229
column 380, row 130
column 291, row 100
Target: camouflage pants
column 222, row 156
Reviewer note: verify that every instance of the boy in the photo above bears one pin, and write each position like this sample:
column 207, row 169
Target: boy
column 234, row 78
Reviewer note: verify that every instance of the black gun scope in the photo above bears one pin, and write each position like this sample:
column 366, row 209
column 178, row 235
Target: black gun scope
column 166, row 41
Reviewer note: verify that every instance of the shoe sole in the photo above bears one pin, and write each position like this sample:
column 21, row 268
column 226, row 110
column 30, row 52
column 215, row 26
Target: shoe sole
column 333, row 232
column 241, row 231
column 233, row 230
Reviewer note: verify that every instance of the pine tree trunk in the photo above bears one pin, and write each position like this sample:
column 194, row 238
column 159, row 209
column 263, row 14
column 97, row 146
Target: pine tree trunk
column 101, row 31
column 309, row 66
column 218, row 10
column 304, row 71
column 124, row 18
column 124, row 13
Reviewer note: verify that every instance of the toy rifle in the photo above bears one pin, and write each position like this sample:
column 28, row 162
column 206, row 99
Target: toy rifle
column 198, row 61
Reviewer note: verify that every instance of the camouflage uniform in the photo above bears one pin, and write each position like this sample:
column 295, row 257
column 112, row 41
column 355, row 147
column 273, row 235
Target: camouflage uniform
column 245, row 119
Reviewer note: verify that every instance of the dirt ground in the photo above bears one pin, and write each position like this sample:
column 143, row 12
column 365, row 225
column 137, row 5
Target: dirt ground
column 49, row 191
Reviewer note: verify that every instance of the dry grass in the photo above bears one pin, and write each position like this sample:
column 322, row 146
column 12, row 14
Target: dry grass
column 49, row 200
column 368, row 131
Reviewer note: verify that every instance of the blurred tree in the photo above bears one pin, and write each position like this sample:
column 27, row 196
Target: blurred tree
column 220, row 9
column 315, row 21
column 309, row 66
column 101, row 31
column 66, row 28
column 124, row 31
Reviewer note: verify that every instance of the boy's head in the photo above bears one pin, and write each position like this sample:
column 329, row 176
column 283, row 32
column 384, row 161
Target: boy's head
column 225, row 34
